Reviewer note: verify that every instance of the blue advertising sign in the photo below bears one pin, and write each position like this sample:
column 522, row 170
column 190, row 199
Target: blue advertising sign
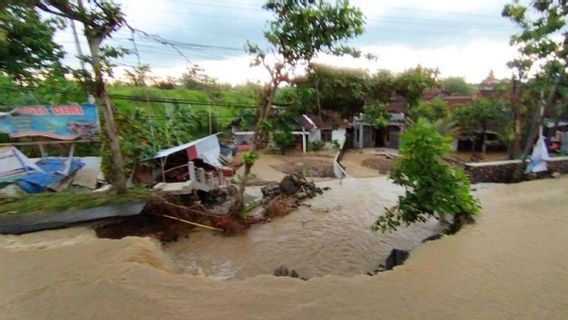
column 65, row 122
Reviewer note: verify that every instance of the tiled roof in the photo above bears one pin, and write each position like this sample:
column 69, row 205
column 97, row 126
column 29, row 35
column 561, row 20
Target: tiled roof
column 328, row 120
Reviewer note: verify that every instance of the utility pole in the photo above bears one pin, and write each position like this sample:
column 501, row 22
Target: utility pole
column 77, row 45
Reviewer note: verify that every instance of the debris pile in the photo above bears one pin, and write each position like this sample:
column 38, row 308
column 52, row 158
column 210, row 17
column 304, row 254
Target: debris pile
column 280, row 199
column 168, row 217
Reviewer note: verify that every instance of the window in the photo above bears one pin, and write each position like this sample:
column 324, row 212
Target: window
column 326, row 135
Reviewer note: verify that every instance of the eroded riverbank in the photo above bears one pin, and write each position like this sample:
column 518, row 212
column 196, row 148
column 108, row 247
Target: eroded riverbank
column 329, row 234
column 511, row 264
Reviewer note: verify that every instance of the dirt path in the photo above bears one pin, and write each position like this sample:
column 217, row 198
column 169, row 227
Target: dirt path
column 512, row 264
column 352, row 160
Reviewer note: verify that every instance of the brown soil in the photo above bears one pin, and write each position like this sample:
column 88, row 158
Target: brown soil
column 381, row 164
column 314, row 167
column 280, row 206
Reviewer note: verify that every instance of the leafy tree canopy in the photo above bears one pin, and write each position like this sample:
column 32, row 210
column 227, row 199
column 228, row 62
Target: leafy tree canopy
column 457, row 86
column 302, row 28
column 435, row 109
column 412, row 83
column 27, row 49
column 433, row 188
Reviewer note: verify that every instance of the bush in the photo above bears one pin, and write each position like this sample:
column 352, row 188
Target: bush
column 283, row 140
column 432, row 187
column 317, row 145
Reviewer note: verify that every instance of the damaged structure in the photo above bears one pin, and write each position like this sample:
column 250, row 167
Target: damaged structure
column 62, row 124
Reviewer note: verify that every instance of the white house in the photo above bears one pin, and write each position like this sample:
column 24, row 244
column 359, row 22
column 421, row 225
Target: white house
column 329, row 127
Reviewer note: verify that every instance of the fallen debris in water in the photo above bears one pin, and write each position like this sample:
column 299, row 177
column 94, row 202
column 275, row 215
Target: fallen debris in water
column 283, row 271
column 395, row 258
column 280, row 199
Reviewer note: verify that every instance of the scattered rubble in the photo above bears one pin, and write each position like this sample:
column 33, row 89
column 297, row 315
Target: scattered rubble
column 169, row 216
column 280, row 199
column 283, row 271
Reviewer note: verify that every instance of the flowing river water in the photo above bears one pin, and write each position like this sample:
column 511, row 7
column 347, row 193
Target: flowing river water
column 511, row 264
column 331, row 234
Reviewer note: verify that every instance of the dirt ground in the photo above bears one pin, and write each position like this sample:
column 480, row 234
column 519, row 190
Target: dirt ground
column 273, row 167
column 511, row 264
column 353, row 163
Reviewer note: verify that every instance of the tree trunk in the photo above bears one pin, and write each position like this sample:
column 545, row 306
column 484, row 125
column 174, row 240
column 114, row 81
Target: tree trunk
column 516, row 106
column 318, row 98
column 118, row 179
column 538, row 119
column 483, row 142
column 263, row 113
column 241, row 195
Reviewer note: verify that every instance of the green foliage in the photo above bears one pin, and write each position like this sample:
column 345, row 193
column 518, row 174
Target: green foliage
column 317, row 145
column 306, row 172
column 300, row 29
column 283, row 140
column 457, row 86
column 249, row 158
column 49, row 202
column 376, row 114
column 479, row 115
column 433, row 110
column 336, row 145
column 28, row 50
column 432, row 187
column 412, row 83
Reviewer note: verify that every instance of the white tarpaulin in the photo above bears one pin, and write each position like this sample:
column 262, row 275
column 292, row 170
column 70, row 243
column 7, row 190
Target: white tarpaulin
column 14, row 164
column 539, row 157
column 207, row 149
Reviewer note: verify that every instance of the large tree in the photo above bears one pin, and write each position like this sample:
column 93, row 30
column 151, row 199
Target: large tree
column 543, row 42
column 299, row 30
column 412, row 83
column 27, row 49
column 99, row 19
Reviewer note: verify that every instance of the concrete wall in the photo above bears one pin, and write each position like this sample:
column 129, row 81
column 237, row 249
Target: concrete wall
column 504, row 171
column 315, row 135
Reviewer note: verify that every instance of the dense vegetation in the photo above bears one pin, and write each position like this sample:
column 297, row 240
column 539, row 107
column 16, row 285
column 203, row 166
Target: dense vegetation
column 432, row 188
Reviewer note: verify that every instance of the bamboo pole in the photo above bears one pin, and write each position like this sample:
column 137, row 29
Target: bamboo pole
column 192, row 223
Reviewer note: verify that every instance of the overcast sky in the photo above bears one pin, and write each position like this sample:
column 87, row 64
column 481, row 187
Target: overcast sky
column 461, row 38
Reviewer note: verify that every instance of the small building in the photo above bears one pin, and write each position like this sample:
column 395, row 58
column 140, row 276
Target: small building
column 368, row 136
column 329, row 128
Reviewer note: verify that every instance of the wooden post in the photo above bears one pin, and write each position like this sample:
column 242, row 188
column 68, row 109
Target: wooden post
column 163, row 165
column 42, row 150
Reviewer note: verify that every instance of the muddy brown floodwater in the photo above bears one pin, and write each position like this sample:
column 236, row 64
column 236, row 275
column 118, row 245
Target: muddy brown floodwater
column 512, row 264
column 331, row 236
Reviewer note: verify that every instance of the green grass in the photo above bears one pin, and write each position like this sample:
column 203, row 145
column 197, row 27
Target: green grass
column 48, row 202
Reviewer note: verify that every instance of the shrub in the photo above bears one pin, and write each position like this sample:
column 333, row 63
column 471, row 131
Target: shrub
column 317, row 145
column 283, row 140
column 432, row 187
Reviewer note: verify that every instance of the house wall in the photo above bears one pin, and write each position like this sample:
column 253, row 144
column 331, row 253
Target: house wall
column 315, row 135
column 239, row 139
column 368, row 137
column 339, row 135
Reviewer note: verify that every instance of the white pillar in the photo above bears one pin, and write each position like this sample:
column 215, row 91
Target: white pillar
column 191, row 169
column 304, row 139
column 201, row 175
